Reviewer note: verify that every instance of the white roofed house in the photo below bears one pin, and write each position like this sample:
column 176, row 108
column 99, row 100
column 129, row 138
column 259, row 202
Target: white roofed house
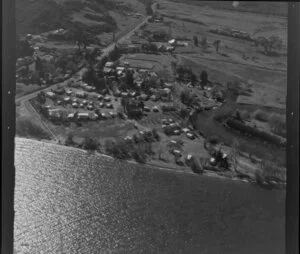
column 83, row 116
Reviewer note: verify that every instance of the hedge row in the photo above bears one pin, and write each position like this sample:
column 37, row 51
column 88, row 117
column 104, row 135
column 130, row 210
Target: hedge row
column 256, row 133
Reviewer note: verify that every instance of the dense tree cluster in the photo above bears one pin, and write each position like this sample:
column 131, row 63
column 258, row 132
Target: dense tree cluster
column 23, row 48
column 270, row 45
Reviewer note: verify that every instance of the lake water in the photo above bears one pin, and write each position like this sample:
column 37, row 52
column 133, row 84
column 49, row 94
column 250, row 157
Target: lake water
column 67, row 201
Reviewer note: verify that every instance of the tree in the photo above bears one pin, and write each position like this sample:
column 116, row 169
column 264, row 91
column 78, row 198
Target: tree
column 193, row 78
column 38, row 64
column 69, row 140
column 195, row 38
column 129, row 78
column 153, row 47
column 23, row 48
column 99, row 84
column 114, row 54
column 217, row 45
column 204, row 79
column 90, row 144
column 204, row 43
column 274, row 43
column 124, row 103
column 149, row 10
column 80, row 37
column 234, row 153
column 90, row 76
column 41, row 97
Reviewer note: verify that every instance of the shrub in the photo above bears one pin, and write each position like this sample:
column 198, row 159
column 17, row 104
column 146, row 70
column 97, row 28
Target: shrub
column 266, row 136
column 196, row 166
column 139, row 155
column 155, row 135
column 223, row 113
column 277, row 124
column 178, row 145
column 270, row 171
column 109, row 146
column 148, row 136
column 260, row 115
column 69, row 140
column 213, row 140
column 93, row 17
column 90, row 144
column 242, row 115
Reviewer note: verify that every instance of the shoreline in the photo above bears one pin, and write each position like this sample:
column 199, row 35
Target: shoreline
column 207, row 173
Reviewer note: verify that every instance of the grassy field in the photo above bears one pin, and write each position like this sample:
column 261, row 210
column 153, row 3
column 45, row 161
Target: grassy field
column 261, row 7
column 40, row 16
column 159, row 63
column 22, row 89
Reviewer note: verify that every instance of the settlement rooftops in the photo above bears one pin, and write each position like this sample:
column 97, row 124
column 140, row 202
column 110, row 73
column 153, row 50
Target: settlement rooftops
column 109, row 64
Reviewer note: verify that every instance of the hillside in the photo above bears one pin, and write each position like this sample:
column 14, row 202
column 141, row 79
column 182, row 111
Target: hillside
column 42, row 15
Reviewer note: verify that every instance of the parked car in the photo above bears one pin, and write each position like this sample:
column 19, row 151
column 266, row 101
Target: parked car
column 90, row 107
column 107, row 99
column 176, row 132
column 155, row 109
column 112, row 114
column 176, row 153
column 146, row 109
column 103, row 116
column 101, row 104
column 179, row 161
column 109, row 105
column 75, row 105
column 190, row 135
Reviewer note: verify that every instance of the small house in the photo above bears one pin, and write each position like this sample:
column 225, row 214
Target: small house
column 144, row 97
column 107, row 70
column 50, row 95
column 124, row 95
column 59, row 90
column 80, row 94
column 109, row 64
column 120, row 70
column 70, row 116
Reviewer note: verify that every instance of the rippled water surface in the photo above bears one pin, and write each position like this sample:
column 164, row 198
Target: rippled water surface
column 67, row 201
